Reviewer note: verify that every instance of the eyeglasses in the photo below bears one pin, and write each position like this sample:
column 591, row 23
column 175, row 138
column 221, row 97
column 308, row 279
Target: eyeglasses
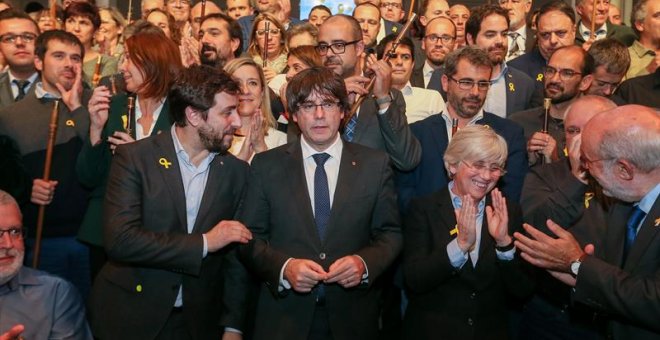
column 337, row 48
column 610, row 86
column 468, row 84
column 273, row 31
column 446, row 39
column 390, row 4
column 481, row 166
column 11, row 38
column 14, row 233
column 178, row 2
column 564, row 73
column 573, row 130
column 310, row 107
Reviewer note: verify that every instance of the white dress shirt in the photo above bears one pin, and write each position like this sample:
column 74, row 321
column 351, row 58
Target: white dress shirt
column 421, row 103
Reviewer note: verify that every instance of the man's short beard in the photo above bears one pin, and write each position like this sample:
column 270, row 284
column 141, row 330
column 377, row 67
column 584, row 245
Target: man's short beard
column 211, row 142
column 217, row 62
column 14, row 267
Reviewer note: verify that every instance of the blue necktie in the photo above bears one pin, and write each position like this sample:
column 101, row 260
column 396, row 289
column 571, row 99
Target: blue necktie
column 321, row 194
column 21, row 84
column 631, row 229
column 349, row 130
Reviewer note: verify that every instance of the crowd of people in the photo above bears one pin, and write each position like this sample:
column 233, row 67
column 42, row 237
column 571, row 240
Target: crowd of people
column 223, row 170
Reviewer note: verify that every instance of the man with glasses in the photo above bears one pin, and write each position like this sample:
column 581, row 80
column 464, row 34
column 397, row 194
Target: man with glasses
column 323, row 214
column 380, row 121
column 521, row 38
column 466, row 81
column 35, row 305
column 568, row 73
column 17, row 35
column 555, row 28
column 618, row 274
column 611, row 61
column 392, row 10
column 438, row 41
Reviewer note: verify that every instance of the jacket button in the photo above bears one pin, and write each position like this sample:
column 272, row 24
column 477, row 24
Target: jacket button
column 470, row 322
column 322, row 256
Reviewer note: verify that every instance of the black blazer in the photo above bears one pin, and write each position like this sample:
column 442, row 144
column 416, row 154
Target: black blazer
column 151, row 253
column 363, row 221
column 450, row 303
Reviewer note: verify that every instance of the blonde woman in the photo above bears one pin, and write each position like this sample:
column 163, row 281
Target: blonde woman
column 276, row 45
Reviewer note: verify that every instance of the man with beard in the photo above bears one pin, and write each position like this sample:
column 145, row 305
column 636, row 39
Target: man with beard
column 466, row 81
column 17, row 34
column 59, row 58
column 220, row 40
column 487, row 28
column 35, row 305
column 568, row 73
column 380, row 122
column 618, row 274
column 555, row 28
column 521, row 38
column 168, row 228
column 439, row 40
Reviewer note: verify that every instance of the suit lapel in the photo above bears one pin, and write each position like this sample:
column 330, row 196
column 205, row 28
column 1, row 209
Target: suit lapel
column 365, row 119
column 163, row 122
column 6, row 96
column 299, row 190
column 447, row 214
column 615, row 235
column 346, row 184
column 647, row 233
column 167, row 162
column 440, row 137
column 211, row 190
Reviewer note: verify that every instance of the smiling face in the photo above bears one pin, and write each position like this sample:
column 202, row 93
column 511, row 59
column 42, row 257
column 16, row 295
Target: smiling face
column 585, row 8
column 132, row 74
column 252, row 89
column 61, row 61
column 180, row 9
column 470, row 180
column 12, row 249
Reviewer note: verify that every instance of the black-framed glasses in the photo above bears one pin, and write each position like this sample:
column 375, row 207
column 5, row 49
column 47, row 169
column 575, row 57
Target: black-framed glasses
column 337, row 47
column 445, row 39
column 481, row 167
column 468, row 84
column 273, row 31
column 327, row 106
column 11, row 38
column 14, row 233
column 390, row 4
column 564, row 73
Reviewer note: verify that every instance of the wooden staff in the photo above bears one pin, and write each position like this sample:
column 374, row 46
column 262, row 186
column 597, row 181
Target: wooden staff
column 265, row 51
column 411, row 10
column 52, row 133
column 454, row 126
column 546, row 116
column 592, row 33
column 359, row 99
column 96, row 77
column 53, row 11
column 130, row 114
column 130, row 11
column 203, row 9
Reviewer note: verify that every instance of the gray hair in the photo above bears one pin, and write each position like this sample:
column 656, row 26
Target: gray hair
column 636, row 143
column 7, row 199
column 474, row 55
column 638, row 14
column 476, row 143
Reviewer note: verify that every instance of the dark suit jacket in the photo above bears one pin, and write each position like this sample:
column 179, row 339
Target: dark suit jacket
column 6, row 96
column 530, row 41
column 93, row 165
column 364, row 221
column 628, row 291
column 624, row 34
column 417, row 77
column 450, row 303
column 431, row 176
column 521, row 93
column 151, row 254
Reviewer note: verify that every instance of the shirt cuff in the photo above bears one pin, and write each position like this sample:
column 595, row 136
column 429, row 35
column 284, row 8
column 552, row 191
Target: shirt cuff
column 205, row 251
column 457, row 257
column 232, row 330
column 506, row 255
column 382, row 111
column 365, row 276
column 284, row 284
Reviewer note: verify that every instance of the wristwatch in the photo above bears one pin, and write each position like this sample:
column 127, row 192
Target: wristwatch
column 575, row 265
column 384, row 100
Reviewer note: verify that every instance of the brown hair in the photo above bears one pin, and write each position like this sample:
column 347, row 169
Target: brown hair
column 307, row 54
column 253, row 48
column 158, row 60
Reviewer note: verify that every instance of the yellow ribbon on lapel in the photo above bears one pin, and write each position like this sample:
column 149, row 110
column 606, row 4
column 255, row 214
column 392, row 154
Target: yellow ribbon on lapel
column 124, row 121
column 587, row 197
column 70, row 122
column 539, row 77
column 394, row 29
column 511, row 87
column 454, row 231
column 164, row 163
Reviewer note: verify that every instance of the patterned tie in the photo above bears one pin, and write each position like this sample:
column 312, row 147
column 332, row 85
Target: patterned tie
column 349, row 130
column 514, row 48
column 22, row 85
column 321, row 194
column 631, row 229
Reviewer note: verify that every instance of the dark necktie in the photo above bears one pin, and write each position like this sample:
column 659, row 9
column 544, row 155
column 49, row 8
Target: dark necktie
column 22, row 85
column 636, row 216
column 349, row 130
column 321, row 194
column 514, row 48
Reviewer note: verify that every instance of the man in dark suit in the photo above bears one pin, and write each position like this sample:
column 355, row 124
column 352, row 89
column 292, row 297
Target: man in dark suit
column 440, row 39
column 621, row 276
column 168, row 229
column 466, row 81
column 18, row 33
column 602, row 26
column 555, row 29
column 380, row 122
column 521, row 38
column 323, row 213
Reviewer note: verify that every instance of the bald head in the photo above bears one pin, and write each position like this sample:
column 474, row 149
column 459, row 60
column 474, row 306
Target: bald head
column 581, row 111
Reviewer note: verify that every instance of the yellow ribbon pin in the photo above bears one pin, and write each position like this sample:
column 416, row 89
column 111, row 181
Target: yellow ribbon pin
column 657, row 221
column 164, row 163
column 511, row 87
column 539, row 77
column 124, row 121
column 454, row 231
column 138, row 288
column 70, row 122
column 587, row 197
column 565, row 151
column 394, row 29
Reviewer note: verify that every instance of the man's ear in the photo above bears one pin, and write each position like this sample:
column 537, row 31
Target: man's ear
column 193, row 116
column 444, row 82
column 624, row 170
column 585, row 83
column 38, row 64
